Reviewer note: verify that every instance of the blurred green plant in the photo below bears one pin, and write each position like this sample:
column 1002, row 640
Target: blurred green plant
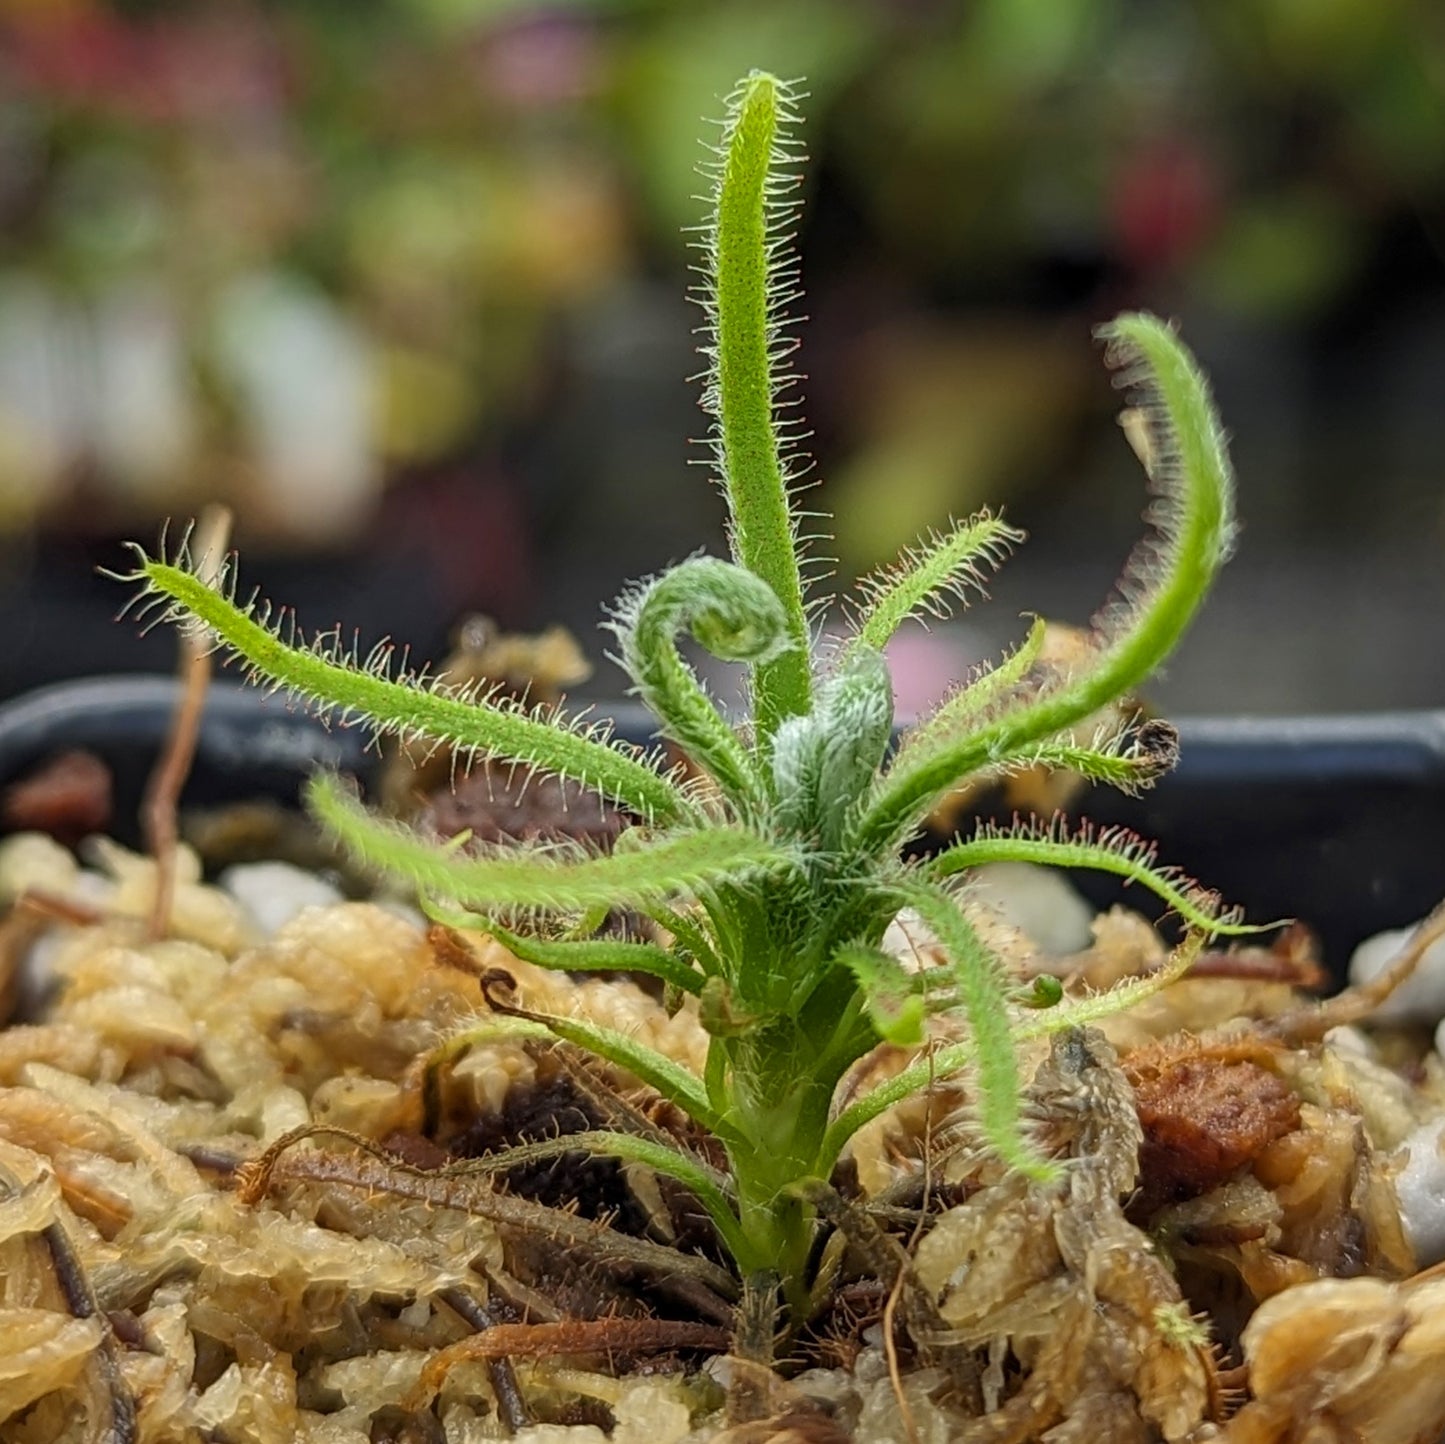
column 464, row 192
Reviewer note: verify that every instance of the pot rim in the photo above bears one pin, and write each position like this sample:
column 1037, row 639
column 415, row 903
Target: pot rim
column 261, row 728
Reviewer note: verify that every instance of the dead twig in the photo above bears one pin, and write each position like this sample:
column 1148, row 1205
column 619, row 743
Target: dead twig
column 163, row 789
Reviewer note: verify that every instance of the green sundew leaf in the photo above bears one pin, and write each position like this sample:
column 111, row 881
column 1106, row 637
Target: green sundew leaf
column 945, row 1062
column 330, row 680
column 557, row 882
column 1113, row 850
column 984, row 991
column 1129, row 761
column 748, row 282
column 926, row 580
column 895, row 1005
column 970, row 706
column 732, row 613
column 1167, row 579
column 934, row 1065
column 589, row 955
column 689, row 936
column 710, row 1187
column 657, row 1070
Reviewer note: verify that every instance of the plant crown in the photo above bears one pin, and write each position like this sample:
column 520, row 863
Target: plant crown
column 774, row 864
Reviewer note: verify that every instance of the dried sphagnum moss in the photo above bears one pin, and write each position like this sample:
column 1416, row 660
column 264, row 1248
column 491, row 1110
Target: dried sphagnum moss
column 317, row 1301
column 156, row 1069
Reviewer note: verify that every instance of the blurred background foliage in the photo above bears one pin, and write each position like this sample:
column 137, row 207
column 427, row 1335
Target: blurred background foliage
column 403, row 282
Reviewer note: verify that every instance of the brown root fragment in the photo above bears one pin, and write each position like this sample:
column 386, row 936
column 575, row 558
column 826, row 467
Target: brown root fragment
column 511, row 1403
column 1293, row 958
column 1310, row 1024
column 571, row 1336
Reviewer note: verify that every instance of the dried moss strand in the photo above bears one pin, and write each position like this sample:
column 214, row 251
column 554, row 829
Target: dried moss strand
column 377, row 1171
column 743, row 385
column 607, row 1336
column 407, row 709
column 708, row 1185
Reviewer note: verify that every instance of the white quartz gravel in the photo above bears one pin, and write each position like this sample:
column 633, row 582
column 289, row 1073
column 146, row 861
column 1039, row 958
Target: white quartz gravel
column 1420, row 1187
column 1038, row 901
column 275, row 892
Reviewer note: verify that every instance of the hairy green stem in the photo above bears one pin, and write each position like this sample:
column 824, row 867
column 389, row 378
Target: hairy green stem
column 924, row 580
column 539, row 879
column 983, row 992
column 1119, row 853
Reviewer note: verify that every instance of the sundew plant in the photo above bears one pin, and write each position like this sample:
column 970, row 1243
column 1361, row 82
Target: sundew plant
column 773, row 863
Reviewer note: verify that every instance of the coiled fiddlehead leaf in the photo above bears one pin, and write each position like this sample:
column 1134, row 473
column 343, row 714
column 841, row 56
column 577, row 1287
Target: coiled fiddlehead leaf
column 737, row 617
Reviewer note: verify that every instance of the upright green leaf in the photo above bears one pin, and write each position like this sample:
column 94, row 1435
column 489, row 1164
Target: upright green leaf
column 749, row 280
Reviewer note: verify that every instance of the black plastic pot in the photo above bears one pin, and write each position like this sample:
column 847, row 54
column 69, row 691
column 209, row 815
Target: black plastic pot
column 1339, row 821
